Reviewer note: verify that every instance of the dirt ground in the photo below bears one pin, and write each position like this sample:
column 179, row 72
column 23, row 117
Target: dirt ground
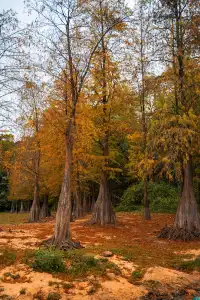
column 134, row 245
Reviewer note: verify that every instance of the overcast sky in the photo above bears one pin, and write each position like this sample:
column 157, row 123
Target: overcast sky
column 18, row 6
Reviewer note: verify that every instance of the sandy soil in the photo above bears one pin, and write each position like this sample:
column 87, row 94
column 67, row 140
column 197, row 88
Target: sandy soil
column 137, row 237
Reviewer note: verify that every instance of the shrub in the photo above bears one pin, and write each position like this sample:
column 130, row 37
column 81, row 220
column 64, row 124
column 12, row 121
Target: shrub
column 163, row 197
column 54, row 296
column 47, row 261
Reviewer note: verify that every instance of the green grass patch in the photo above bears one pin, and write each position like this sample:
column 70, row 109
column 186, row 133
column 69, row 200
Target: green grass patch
column 190, row 265
column 50, row 261
column 53, row 296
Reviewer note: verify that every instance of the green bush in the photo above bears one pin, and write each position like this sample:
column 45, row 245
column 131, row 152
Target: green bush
column 48, row 261
column 163, row 197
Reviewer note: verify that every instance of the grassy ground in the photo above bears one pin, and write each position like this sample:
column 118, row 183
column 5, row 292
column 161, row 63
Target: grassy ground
column 7, row 218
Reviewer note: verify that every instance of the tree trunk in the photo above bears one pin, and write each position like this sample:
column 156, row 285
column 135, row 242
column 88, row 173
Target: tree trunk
column 62, row 234
column 12, row 210
column 103, row 212
column 35, row 208
column 22, row 207
column 16, row 207
column 44, row 213
column 187, row 222
column 78, row 212
column 147, row 215
column 187, row 215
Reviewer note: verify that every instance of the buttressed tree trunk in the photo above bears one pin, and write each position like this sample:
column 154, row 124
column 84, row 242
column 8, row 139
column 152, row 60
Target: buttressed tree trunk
column 103, row 212
column 62, row 234
column 187, row 222
column 44, row 213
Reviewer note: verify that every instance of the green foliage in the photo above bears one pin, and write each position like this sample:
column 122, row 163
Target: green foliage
column 22, row 291
column 190, row 265
column 54, row 296
column 7, row 257
column 47, row 261
column 136, row 275
column 81, row 265
column 163, row 197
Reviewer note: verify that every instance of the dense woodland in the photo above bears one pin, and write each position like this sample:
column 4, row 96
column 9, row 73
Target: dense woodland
column 106, row 103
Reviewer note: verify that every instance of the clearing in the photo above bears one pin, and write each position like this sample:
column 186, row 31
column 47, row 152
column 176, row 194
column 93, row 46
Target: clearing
column 140, row 266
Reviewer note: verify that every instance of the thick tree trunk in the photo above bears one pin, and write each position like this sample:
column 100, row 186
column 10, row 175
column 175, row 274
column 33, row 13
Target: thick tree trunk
column 44, row 213
column 22, row 207
column 147, row 215
column 187, row 215
column 16, row 207
column 103, row 213
column 62, row 234
column 187, row 222
column 35, row 208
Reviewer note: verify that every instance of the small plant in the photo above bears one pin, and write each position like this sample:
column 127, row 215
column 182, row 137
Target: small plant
column 47, row 261
column 67, row 285
column 7, row 257
column 54, row 296
column 22, row 291
column 13, row 276
column 189, row 265
column 136, row 275
column 39, row 295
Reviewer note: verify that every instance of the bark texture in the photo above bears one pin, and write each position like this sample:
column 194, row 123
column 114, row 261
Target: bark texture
column 187, row 222
column 45, row 212
column 103, row 212
column 35, row 208
column 12, row 210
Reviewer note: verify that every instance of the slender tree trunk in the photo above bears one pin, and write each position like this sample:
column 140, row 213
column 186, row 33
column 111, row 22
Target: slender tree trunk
column 78, row 212
column 147, row 215
column 22, row 207
column 44, row 213
column 16, row 207
column 12, row 210
column 35, row 208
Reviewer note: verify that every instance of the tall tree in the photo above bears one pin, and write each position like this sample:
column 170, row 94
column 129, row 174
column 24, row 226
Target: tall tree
column 177, row 17
column 72, row 44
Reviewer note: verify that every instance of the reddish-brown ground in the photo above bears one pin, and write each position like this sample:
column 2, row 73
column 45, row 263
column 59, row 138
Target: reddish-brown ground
column 131, row 235
column 132, row 238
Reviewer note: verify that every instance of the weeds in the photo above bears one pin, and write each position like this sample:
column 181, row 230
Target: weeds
column 190, row 265
column 53, row 296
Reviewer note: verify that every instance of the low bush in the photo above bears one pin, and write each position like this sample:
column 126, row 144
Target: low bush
column 163, row 197
column 50, row 261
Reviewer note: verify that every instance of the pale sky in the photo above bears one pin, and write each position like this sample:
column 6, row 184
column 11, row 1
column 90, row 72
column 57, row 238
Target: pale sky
column 18, row 6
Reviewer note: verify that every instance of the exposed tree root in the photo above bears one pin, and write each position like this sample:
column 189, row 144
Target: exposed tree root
column 65, row 245
column 173, row 233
